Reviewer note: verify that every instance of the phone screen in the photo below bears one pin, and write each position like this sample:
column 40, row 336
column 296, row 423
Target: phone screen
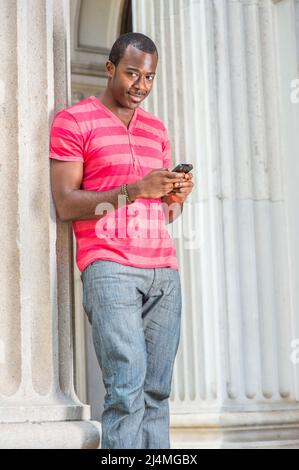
column 183, row 167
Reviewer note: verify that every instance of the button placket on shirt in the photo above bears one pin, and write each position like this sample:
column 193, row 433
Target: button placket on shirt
column 132, row 150
column 134, row 159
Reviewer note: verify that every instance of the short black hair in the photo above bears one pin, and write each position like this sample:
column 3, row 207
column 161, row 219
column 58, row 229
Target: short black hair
column 138, row 40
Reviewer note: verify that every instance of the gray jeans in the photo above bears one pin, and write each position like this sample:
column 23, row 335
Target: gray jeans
column 135, row 315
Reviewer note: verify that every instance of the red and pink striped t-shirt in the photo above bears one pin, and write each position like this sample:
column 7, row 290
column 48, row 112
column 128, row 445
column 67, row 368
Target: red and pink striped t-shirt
column 112, row 154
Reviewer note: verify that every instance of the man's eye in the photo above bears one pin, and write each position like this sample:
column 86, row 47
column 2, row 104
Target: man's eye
column 150, row 77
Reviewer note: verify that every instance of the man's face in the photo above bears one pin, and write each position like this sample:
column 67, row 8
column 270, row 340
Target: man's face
column 132, row 79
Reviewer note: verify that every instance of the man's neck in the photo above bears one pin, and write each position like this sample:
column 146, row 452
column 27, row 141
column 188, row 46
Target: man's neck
column 125, row 114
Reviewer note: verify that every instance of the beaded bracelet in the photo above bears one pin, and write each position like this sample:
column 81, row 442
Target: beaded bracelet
column 124, row 191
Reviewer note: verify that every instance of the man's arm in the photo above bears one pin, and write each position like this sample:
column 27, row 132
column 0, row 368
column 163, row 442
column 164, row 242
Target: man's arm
column 174, row 207
column 71, row 202
column 174, row 201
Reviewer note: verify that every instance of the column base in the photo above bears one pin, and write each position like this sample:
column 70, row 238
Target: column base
column 255, row 430
column 259, row 438
column 50, row 435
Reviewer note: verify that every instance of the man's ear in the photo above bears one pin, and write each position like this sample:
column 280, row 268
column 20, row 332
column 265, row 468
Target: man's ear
column 110, row 68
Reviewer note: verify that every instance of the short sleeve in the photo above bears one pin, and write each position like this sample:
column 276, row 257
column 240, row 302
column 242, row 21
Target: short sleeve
column 66, row 140
column 166, row 149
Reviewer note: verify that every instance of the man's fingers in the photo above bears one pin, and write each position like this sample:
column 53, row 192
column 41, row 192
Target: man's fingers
column 185, row 176
column 185, row 184
column 175, row 175
column 171, row 175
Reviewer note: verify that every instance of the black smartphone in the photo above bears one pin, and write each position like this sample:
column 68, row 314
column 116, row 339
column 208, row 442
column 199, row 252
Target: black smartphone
column 183, row 168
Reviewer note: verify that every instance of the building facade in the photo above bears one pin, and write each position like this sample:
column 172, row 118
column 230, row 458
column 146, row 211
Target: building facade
column 228, row 91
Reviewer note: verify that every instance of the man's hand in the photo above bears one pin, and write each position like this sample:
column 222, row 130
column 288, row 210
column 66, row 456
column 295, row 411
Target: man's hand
column 182, row 189
column 156, row 184
column 177, row 197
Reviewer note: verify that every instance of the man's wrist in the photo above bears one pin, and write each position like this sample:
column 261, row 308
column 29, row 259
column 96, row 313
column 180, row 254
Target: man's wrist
column 134, row 191
column 172, row 197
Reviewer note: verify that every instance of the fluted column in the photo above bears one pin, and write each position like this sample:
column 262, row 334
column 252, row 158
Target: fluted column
column 38, row 405
column 223, row 90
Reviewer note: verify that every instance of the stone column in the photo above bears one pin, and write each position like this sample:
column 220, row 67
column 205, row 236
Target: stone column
column 38, row 404
column 223, row 89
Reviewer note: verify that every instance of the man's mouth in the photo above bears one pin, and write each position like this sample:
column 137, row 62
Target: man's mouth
column 136, row 96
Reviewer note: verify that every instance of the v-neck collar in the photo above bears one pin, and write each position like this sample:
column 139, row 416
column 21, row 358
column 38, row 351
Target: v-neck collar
column 114, row 117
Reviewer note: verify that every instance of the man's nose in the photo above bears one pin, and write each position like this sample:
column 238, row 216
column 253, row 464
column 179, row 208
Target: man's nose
column 140, row 84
